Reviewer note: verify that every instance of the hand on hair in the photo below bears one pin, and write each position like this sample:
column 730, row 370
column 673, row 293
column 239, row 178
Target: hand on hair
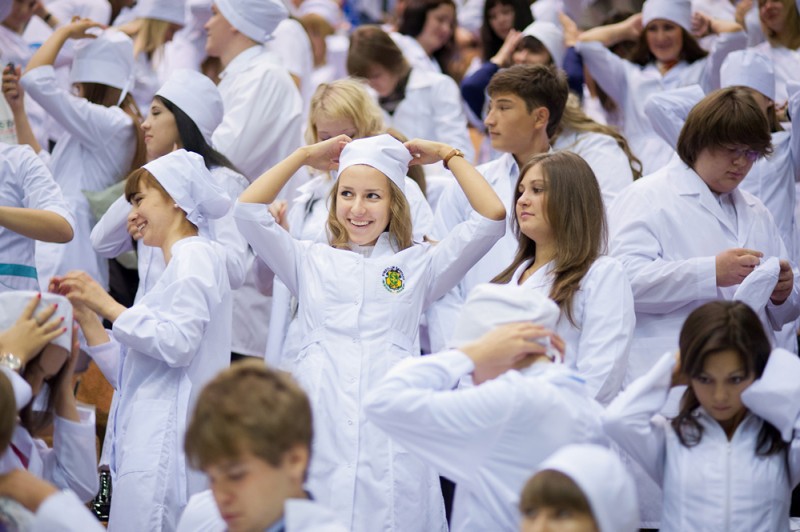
column 78, row 28
column 734, row 264
column 742, row 8
column 427, row 151
column 25, row 488
column 633, row 27
column 32, row 331
column 325, row 155
column 79, row 287
column 503, row 56
column 571, row 31
column 783, row 288
column 12, row 89
column 679, row 378
column 509, row 346
column 278, row 211
column 701, row 24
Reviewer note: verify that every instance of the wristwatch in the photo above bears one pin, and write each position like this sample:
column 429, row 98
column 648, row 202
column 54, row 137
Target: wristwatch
column 455, row 152
column 11, row 361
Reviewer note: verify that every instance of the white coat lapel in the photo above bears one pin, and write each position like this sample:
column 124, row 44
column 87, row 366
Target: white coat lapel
column 688, row 183
column 744, row 213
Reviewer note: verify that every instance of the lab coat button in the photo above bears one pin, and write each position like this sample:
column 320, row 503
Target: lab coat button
column 349, row 421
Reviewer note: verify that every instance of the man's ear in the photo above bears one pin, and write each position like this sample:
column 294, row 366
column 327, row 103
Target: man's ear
column 295, row 460
column 542, row 116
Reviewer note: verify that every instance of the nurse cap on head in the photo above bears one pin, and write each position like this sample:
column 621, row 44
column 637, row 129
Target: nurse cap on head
column 108, row 59
column 256, row 19
column 749, row 68
column 197, row 96
column 605, row 482
column 327, row 9
column 5, row 9
column 382, row 152
column 551, row 36
column 677, row 11
column 168, row 10
column 490, row 305
column 186, row 179
column 13, row 303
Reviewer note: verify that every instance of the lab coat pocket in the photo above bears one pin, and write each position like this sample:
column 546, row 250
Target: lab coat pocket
column 142, row 446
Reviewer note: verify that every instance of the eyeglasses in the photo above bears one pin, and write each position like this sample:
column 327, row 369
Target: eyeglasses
column 750, row 155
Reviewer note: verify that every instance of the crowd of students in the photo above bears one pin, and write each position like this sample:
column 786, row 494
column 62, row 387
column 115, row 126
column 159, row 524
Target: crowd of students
column 337, row 258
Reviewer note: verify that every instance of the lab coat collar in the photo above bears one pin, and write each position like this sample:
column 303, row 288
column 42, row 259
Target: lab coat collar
column 688, row 183
column 507, row 168
column 419, row 79
column 386, row 245
column 750, row 422
column 242, row 62
column 539, row 279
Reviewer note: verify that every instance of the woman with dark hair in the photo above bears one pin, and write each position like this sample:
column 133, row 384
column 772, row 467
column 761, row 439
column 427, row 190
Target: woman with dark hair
column 735, row 424
column 561, row 227
column 184, row 114
column 426, row 34
column 499, row 18
column 667, row 56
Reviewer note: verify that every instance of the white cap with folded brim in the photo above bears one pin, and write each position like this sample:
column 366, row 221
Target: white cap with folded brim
column 13, row 303
column 490, row 305
column 186, row 179
column 197, row 96
column 327, row 9
column 5, row 9
column 382, row 152
column 168, row 10
column 107, row 59
column 256, row 19
column 604, row 480
column 677, row 11
column 749, row 68
column 551, row 36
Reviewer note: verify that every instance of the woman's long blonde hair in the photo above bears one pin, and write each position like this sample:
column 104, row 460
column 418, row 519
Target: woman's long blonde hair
column 149, row 35
column 791, row 29
column 574, row 209
column 575, row 119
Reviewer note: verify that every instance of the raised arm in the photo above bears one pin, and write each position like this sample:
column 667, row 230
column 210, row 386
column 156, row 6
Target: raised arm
column 480, row 194
column 48, row 51
column 322, row 156
column 627, row 30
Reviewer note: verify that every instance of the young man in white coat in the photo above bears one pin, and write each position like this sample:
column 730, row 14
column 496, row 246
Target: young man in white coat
column 687, row 235
column 488, row 438
column 251, row 434
column 261, row 125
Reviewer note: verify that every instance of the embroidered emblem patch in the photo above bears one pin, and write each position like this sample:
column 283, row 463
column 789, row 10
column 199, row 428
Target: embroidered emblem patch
column 394, row 280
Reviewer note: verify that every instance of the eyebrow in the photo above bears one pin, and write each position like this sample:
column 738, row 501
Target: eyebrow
column 503, row 100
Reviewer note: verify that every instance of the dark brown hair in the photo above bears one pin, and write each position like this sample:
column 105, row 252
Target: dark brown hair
column 574, row 210
column 712, row 328
column 248, row 408
column 725, row 118
column 537, row 86
column 553, row 489
column 691, row 50
column 490, row 41
column 369, row 46
column 139, row 178
column 8, row 410
column 412, row 21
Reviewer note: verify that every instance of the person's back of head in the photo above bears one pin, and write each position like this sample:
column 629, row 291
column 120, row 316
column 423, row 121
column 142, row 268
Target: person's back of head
column 251, row 432
column 370, row 46
column 537, row 86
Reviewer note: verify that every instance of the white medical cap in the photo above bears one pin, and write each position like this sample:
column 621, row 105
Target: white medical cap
column 169, row 10
column 14, row 302
column 256, row 19
column 749, row 68
column 382, row 152
column 5, row 9
column 490, row 305
column 677, row 11
column 605, row 482
column 197, row 96
column 186, row 179
column 108, row 59
column 551, row 36
column 327, row 9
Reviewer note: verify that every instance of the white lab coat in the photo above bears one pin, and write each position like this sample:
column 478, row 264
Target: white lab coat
column 308, row 218
column 718, row 484
column 771, row 179
column 667, row 229
column 25, row 182
column 489, row 438
column 146, row 80
column 95, row 153
column 787, row 65
column 415, row 54
column 300, row 515
column 354, row 329
column 607, row 160
column 110, row 237
column 64, row 512
column 163, row 350
column 263, row 110
column 292, row 44
column 629, row 85
column 70, row 464
column 599, row 342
